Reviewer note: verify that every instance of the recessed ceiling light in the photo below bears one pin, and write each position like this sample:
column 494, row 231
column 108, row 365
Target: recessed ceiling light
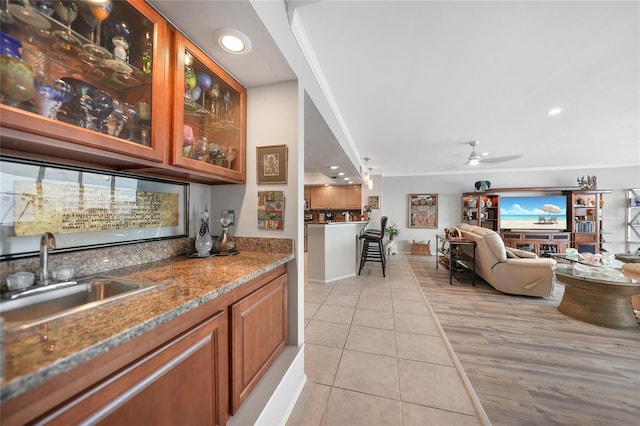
column 555, row 111
column 341, row 174
column 346, row 178
column 233, row 41
column 350, row 182
column 334, row 167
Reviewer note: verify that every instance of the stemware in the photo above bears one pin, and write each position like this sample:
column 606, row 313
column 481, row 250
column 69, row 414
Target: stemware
column 204, row 82
column 143, row 111
column 101, row 106
column 80, row 104
column 226, row 99
column 51, row 94
column 67, row 11
column 230, row 155
column 101, row 10
column 130, row 121
column 115, row 120
column 214, row 93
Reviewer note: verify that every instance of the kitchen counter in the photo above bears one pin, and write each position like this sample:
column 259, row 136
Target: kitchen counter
column 333, row 250
column 35, row 354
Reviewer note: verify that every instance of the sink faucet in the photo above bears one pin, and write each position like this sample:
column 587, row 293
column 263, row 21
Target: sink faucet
column 47, row 241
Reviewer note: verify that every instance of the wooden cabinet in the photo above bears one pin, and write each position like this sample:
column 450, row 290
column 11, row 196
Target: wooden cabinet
column 354, row 197
column 26, row 130
column 177, row 383
column 258, row 335
column 319, row 197
column 180, row 372
column 541, row 243
column 481, row 209
column 210, row 115
column 586, row 218
column 335, row 197
column 145, row 132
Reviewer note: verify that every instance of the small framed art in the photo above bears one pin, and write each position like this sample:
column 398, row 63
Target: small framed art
column 272, row 164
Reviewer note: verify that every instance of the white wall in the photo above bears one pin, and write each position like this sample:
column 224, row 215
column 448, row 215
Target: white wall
column 272, row 119
column 396, row 190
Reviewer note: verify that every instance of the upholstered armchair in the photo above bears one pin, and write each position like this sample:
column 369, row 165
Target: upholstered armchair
column 509, row 270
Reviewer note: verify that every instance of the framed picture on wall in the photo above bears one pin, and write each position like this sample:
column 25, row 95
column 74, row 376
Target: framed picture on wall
column 272, row 164
column 374, row 201
column 423, row 210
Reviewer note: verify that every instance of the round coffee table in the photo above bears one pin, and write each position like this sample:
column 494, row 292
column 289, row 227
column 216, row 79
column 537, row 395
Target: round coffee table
column 598, row 298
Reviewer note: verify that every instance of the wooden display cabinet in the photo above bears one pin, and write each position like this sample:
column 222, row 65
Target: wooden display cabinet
column 585, row 217
column 481, row 209
column 209, row 115
column 138, row 85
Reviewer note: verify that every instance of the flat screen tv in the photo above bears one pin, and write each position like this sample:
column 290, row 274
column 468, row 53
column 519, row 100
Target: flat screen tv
column 534, row 213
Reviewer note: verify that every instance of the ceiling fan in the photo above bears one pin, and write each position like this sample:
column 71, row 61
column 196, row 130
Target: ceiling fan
column 475, row 158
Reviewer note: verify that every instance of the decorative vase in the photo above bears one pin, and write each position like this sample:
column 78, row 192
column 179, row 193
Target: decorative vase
column 204, row 242
column 224, row 242
column 16, row 77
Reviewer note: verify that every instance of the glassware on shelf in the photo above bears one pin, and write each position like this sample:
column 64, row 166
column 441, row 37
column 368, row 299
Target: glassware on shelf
column 187, row 140
column 214, row 94
column 143, row 111
column 204, row 242
column 190, row 79
column 230, row 155
column 67, row 11
column 80, row 102
column 121, row 48
column 50, row 95
column 115, row 120
column 101, row 10
column 200, row 148
column 130, row 121
column 101, row 105
column 16, row 77
column 204, row 82
column 147, row 54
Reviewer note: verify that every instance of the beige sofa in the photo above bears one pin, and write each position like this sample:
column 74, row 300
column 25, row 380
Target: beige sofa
column 509, row 270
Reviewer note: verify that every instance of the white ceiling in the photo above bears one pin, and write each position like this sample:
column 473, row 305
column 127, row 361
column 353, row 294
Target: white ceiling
column 412, row 82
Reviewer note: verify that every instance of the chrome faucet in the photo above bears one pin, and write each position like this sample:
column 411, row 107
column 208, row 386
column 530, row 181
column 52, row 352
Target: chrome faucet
column 47, row 241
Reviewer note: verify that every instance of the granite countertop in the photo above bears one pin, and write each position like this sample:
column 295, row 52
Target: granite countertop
column 39, row 352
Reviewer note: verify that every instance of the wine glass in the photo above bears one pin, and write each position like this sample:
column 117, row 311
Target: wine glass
column 204, row 82
column 115, row 120
column 214, row 93
column 130, row 122
column 51, row 94
column 67, row 11
column 230, row 156
column 101, row 10
column 101, row 106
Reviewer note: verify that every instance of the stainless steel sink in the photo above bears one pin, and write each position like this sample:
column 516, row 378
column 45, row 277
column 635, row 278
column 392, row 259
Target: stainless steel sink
column 59, row 299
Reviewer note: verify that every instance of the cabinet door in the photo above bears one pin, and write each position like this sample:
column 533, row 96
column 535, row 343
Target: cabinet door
column 115, row 106
column 210, row 116
column 354, row 197
column 258, row 335
column 337, row 197
column 178, row 383
column 319, row 195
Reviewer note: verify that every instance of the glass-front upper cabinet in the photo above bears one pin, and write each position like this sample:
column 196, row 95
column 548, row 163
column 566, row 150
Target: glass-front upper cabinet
column 210, row 116
column 91, row 72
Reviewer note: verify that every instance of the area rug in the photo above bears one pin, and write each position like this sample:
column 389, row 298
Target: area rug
column 530, row 364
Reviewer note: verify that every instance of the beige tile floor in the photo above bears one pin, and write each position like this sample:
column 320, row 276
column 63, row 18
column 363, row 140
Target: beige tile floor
column 376, row 355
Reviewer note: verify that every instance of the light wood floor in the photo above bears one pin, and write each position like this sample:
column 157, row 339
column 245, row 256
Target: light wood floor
column 528, row 363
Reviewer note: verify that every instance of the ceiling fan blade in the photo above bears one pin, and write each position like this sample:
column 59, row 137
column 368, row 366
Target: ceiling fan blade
column 500, row 159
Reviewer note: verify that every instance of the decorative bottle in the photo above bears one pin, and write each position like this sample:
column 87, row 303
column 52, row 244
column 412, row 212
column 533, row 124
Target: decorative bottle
column 204, row 242
column 224, row 242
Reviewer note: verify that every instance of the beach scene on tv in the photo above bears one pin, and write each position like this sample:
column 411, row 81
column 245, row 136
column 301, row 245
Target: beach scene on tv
column 533, row 213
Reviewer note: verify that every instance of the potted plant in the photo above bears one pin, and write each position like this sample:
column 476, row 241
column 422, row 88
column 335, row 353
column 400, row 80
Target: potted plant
column 393, row 231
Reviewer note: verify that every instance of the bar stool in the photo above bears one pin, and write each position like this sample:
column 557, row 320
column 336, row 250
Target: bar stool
column 372, row 247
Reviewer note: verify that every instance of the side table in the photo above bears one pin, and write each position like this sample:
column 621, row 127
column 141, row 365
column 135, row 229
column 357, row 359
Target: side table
column 451, row 254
